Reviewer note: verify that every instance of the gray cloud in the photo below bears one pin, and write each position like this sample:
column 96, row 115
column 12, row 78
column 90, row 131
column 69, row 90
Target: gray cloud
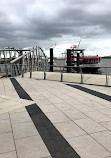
column 26, row 22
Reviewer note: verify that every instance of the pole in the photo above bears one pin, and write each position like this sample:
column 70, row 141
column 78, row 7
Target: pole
column 78, row 70
column 51, row 59
column 106, row 78
column 68, row 60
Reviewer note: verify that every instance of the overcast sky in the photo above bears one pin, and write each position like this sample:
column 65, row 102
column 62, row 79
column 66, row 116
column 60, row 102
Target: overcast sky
column 27, row 23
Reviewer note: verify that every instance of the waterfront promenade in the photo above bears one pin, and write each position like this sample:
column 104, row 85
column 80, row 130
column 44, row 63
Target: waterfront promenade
column 50, row 119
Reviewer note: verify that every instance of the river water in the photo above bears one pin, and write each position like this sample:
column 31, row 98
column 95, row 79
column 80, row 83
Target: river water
column 103, row 63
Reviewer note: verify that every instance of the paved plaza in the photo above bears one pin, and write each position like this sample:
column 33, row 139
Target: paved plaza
column 82, row 120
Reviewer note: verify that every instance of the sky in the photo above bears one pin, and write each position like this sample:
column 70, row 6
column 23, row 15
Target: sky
column 29, row 23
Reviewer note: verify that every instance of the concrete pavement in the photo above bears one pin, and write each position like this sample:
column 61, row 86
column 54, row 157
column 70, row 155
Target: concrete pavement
column 82, row 119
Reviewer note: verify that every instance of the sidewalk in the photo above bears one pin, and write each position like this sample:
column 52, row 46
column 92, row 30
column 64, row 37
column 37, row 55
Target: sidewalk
column 84, row 120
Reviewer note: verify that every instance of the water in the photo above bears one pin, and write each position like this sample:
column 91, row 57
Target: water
column 103, row 63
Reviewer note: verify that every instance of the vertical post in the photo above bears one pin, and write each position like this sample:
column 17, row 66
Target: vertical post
column 81, row 76
column 44, row 68
column 33, row 59
column 61, row 74
column 11, row 70
column 22, row 73
column 30, row 73
column 23, row 66
column 38, row 58
column 30, row 65
column 68, row 60
column 51, row 59
column 6, row 70
column 20, row 53
column 78, row 70
column 106, row 78
column 44, row 75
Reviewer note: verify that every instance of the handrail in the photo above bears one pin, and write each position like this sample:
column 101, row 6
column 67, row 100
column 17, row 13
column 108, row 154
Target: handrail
column 15, row 50
column 13, row 61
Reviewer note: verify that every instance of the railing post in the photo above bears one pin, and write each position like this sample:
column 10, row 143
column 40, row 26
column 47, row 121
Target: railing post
column 81, row 76
column 23, row 67
column 11, row 70
column 30, row 66
column 30, row 73
column 21, row 61
column 106, row 78
column 44, row 70
column 7, row 70
column 44, row 75
column 61, row 74
column 22, row 72
column 38, row 58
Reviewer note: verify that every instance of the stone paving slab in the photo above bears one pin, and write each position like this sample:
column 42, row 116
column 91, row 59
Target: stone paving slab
column 104, row 138
column 5, row 126
column 6, row 142
column 57, row 117
column 4, row 116
column 9, row 155
column 8, row 103
column 31, row 147
column 89, row 126
column 69, row 129
column 87, row 147
column 20, row 117
column 27, row 129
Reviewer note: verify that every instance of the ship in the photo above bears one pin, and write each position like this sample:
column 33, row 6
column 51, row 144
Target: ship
column 88, row 64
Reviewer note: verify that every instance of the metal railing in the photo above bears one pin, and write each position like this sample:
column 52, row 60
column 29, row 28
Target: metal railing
column 14, row 61
column 15, row 68
column 62, row 72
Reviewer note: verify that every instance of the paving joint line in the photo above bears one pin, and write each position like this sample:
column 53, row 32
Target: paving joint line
column 13, row 137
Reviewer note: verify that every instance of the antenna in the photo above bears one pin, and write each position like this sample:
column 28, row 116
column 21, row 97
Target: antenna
column 79, row 43
column 53, row 45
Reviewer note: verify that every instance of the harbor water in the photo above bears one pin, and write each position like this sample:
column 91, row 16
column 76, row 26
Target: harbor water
column 103, row 63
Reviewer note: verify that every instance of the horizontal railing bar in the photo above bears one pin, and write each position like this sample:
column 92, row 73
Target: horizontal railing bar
column 52, row 65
